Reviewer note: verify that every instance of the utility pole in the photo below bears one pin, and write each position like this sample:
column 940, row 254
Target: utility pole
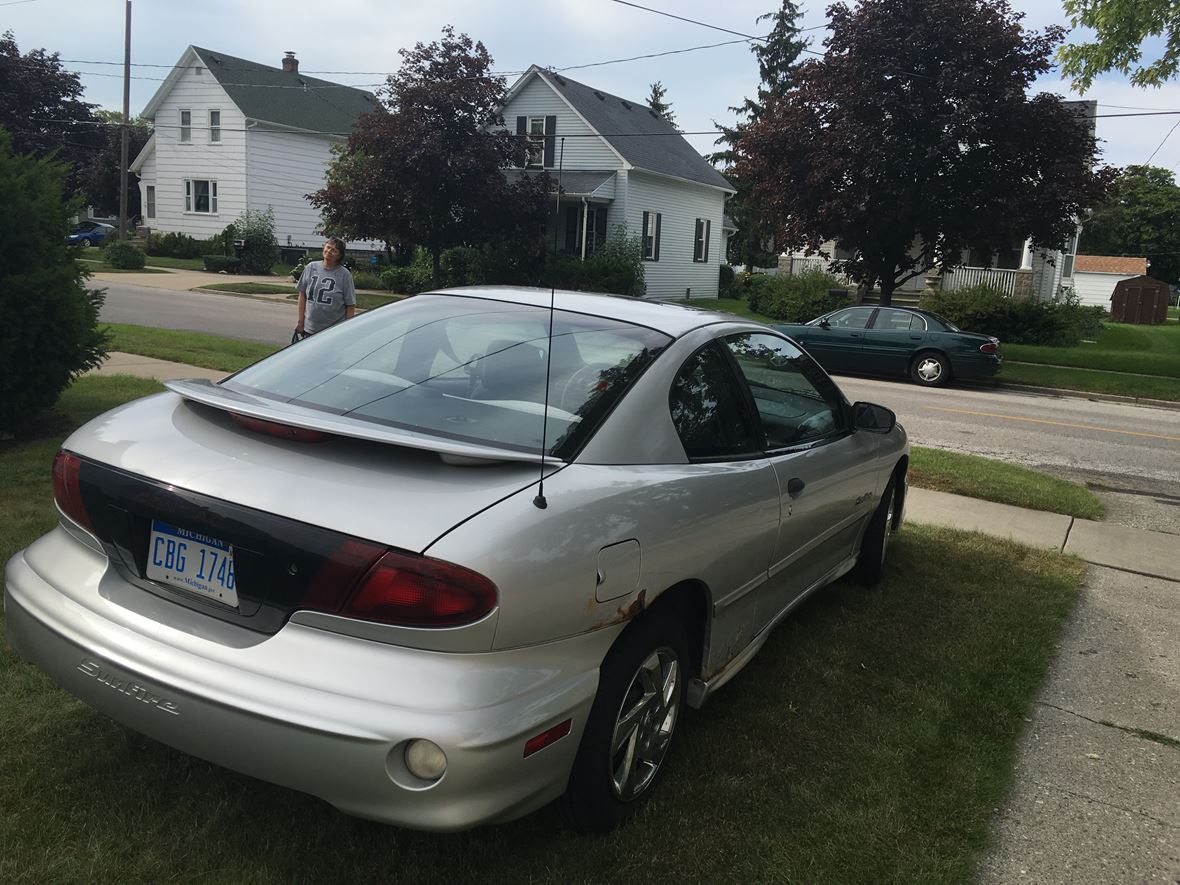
column 126, row 126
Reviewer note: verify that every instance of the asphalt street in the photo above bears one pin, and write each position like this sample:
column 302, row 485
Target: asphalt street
column 1129, row 454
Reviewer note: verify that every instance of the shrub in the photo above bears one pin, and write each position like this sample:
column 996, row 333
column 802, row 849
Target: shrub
column 795, row 299
column 409, row 280
column 991, row 311
column 51, row 332
column 124, row 255
column 725, row 281
column 616, row 268
column 222, row 263
column 175, row 245
column 257, row 228
column 367, row 279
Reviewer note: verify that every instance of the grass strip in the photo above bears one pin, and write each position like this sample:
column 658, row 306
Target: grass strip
column 246, row 288
column 1091, row 382
column 737, row 306
column 992, row 480
column 99, row 267
column 193, row 348
column 869, row 741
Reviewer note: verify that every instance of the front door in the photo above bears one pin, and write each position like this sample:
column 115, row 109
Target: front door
column 891, row 342
column 826, row 471
column 836, row 342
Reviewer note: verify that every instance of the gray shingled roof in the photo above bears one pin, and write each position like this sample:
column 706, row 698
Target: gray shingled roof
column 319, row 105
column 644, row 138
column 573, row 183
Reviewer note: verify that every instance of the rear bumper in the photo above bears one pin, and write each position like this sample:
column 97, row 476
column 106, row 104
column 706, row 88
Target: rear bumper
column 980, row 366
column 305, row 708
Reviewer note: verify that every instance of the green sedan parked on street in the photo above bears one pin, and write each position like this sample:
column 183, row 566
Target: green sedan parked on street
column 896, row 341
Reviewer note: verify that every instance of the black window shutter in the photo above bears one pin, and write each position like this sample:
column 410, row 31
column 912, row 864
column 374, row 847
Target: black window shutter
column 600, row 224
column 656, row 256
column 550, row 141
column 698, row 236
column 643, row 234
column 708, row 226
column 522, row 127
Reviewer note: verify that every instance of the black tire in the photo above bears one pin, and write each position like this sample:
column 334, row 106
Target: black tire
column 931, row 369
column 85, row 244
column 870, row 562
column 594, row 800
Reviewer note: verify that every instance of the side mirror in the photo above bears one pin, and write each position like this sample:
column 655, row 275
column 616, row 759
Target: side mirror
column 824, row 324
column 873, row 418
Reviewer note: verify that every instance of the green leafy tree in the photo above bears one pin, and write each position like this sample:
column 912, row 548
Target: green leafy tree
column 1120, row 28
column 913, row 139
column 98, row 174
column 41, row 106
column 51, row 332
column 427, row 166
column 656, row 102
column 1141, row 216
column 778, row 58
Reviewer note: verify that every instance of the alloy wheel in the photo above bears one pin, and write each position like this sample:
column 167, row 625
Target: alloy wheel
column 646, row 721
column 929, row 369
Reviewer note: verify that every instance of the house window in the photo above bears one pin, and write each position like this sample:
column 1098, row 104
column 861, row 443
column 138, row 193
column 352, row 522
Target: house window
column 214, row 126
column 1066, row 266
column 651, row 236
column 186, row 125
column 700, row 249
column 200, row 195
column 150, row 199
column 536, row 142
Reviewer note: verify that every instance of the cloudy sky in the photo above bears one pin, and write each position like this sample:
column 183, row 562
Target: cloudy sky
column 364, row 36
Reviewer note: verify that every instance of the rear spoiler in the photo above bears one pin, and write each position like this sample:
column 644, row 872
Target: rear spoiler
column 450, row 451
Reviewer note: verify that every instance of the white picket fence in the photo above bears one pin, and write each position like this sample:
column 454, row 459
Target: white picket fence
column 997, row 278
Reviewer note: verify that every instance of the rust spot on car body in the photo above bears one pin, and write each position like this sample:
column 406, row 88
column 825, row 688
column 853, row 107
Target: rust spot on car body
column 622, row 614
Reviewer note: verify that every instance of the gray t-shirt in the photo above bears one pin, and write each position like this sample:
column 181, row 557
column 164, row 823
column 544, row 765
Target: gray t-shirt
column 328, row 291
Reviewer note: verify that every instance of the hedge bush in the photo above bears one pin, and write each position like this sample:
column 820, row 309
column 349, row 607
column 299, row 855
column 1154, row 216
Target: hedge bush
column 222, row 263
column 124, row 256
column 990, row 311
column 51, row 333
column 176, row 245
column 725, row 281
column 409, row 280
column 794, row 299
column 257, row 228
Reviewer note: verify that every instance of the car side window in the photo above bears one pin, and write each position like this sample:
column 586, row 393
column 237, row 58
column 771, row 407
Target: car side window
column 708, row 408
column 851, row 318
column 889, row 320
column 797, row 403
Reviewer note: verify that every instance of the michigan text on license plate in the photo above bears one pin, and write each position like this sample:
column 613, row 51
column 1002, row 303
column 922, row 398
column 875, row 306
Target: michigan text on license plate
column 192, row 561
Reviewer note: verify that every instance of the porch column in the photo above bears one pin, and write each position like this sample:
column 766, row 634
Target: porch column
column 1026, row 255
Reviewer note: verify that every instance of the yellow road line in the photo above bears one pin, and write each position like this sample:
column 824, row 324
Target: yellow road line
column 1056, row 423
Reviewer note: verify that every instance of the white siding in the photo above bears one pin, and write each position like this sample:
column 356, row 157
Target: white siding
column 281, row 169
column 680, row 204
column 223, row 162
column 1096, row 288
column 536, row 99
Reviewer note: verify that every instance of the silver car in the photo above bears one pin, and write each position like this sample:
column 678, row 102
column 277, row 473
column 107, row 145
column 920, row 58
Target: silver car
column 460, row 556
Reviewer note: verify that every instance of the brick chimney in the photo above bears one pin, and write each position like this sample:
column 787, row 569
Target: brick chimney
column 290, row 63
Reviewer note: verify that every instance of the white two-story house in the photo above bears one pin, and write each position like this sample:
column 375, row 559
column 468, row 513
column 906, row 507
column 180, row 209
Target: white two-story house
column 232, row 134
column 621, row 163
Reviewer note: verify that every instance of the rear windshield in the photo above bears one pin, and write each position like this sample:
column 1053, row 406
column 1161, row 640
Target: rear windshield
column 464, row 368
column 947, row 325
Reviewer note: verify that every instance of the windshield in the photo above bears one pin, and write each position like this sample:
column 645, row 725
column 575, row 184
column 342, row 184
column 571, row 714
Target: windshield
column 464, row 368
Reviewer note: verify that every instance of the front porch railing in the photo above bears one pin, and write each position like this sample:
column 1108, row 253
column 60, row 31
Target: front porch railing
column 996, row 277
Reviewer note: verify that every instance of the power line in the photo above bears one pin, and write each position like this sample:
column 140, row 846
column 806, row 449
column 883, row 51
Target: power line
column 1161, row 144
column 17, row 2
column 689, row 20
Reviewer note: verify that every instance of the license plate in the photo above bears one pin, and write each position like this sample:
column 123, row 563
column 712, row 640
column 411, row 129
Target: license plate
column 192, row 561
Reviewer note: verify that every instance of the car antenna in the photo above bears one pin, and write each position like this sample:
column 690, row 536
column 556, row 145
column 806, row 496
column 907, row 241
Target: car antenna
column 539, row 501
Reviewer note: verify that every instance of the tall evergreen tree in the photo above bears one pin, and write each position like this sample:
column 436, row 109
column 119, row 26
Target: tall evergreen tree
column 656, row 102
column 778, row 57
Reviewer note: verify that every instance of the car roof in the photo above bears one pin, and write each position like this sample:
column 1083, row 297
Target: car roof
column 671, row 319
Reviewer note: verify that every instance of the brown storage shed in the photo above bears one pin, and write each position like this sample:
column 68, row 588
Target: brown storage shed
column 1140, row 300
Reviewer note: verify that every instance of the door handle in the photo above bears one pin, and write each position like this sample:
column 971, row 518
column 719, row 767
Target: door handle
column 794, row 486
column 915, row 338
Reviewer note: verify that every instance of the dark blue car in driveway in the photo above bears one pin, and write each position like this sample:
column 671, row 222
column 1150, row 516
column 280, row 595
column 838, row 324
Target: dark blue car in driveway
column 896, row 341
column 89, row 233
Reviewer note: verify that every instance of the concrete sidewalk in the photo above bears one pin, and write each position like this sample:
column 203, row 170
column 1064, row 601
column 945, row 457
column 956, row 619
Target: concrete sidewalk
column 1096, row 798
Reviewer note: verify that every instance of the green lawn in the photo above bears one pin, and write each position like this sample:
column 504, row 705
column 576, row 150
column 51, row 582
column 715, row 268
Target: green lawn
column 1147, row 350
column 737, row 306
column 993, row 480
column 871, row 740
column 194, row 348
column 99, row 267
column 1091, row 381
column 364, row 300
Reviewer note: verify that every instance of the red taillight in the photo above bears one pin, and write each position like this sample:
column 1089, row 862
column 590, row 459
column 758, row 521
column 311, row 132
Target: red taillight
column 67, row 490
column 990, row 347
column 284, row 431
column 545, row 738
column 414, row 591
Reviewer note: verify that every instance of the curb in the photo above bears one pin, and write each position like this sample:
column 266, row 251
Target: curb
column 255, row 295
column 1099, row 397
